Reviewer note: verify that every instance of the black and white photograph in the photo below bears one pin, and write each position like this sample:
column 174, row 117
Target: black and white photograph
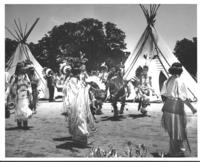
column 100, row 81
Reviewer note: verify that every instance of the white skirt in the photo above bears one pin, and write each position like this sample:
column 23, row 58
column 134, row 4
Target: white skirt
column 22, row 110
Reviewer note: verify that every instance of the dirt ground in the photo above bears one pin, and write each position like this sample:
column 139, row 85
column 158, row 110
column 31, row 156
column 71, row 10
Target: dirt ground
column 48, row 134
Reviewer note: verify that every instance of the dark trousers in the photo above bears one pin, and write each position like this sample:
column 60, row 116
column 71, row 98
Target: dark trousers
column 51, row 93
column 35, row 98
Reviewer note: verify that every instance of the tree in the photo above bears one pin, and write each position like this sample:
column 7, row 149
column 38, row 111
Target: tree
column 98, row 41
column 90, row 36
column 186, row 51
column 10, row 47
column 115, row 42
column 92, row 41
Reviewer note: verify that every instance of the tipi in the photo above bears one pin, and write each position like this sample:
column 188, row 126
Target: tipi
column 152, row 51
column 23, row 53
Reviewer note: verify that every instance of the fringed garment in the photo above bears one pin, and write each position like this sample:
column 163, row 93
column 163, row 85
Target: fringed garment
column 21, row 89
column 174, row 117
column 77, row 108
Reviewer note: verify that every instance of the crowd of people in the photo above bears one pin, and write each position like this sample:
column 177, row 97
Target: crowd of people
column 81, row 97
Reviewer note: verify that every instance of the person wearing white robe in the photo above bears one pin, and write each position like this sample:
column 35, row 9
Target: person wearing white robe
column 21, row 92
column 77, row 108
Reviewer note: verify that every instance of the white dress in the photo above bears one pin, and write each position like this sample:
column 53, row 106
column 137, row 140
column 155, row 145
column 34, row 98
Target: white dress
column 23, row 92
column 77, row 107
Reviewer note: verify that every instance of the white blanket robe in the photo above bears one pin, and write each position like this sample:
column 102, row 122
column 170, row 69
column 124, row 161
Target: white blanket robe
column 77, row 107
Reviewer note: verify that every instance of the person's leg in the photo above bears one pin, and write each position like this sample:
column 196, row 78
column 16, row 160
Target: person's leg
column 19, row 123
column 180, row 148
column 144, row 104
column 51, row 93
column 140, row 103
column 122, row 106
column 49, row 88
column 25, row 124
column 53, row 89
column 99, row 110
column 174, row 149
column 92, row 109
column 34, row 99
column 171, row 148
column 114, row 105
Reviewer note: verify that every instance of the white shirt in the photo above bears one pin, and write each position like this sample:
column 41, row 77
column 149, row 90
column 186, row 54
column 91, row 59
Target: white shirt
column 174, row 87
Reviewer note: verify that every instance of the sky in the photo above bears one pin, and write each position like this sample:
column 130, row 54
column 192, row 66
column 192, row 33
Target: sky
column 173, row 22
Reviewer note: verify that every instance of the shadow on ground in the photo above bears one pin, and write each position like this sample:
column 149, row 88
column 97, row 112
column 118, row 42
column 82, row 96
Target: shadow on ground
column 112, row 118
column 135, row 116
column 17, row 128
column 70, row 145
column 62, row 139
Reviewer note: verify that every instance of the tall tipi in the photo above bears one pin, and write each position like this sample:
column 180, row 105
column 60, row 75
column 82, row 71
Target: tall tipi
column 152, row 51
column 23, row 53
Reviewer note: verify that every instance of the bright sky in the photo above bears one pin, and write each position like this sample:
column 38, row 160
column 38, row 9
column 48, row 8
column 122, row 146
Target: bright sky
column 174, row 22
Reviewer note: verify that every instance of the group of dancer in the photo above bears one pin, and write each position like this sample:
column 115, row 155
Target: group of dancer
column 80, row 97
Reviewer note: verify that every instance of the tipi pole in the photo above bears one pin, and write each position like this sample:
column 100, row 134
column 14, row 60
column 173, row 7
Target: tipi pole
column 18, row 29
column 26, row 52
column 28, row 33
column 154, row 9
column 19, row 37
column 40, row 79
column 138, row 53
column 25, row 29
column 157, row 8
column 137, row 45
column 158, row 51
column 12, row 34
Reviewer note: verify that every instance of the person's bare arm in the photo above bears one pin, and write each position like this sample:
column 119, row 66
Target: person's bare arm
column 187, row 102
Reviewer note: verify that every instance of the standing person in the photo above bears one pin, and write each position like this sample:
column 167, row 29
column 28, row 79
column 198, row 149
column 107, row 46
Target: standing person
column 50, row 84
column 34, row 85
column 64, row 68
column 83, row 73
column 145, row 90
column 66, row 73
column 174, row 92
column 103, row 72
column 21, row 92
column 77, row 106
column 145, row 78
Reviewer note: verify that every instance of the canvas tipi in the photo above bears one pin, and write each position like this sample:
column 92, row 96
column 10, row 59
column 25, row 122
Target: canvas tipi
column 23, row 53
column 152, row 51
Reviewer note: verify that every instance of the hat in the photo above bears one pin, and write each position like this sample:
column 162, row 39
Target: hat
column 65, row 69
column 48, row 71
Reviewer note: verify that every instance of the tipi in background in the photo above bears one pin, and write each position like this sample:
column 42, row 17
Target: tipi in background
column 152, row 51
column 23, row 53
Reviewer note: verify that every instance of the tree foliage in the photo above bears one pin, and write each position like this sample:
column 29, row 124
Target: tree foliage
column 10, row 47
column 98, row 41
column 186, row 51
